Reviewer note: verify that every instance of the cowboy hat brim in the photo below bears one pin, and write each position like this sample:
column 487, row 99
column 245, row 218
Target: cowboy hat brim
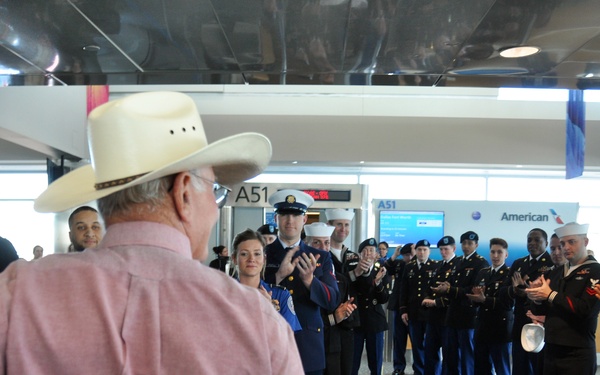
column 233, row 159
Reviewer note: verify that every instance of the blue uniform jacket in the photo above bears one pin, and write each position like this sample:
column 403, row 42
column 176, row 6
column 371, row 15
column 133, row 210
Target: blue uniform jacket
column 323, row 293
column 286, row 304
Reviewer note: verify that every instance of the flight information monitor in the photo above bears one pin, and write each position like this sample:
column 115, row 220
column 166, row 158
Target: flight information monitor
column 402, row 227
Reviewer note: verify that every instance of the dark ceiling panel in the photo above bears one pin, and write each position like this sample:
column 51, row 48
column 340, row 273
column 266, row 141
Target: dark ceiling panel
column 344, row 42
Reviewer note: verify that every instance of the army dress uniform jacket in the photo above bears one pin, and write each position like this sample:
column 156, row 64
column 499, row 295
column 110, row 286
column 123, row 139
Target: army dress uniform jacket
column 532, row 270
column 415, row 286
column 495, row 317
column 323, row 293
column 395, row 268
column 461, row 311
column 437, row 314
column 572, row 316
column 370, row 299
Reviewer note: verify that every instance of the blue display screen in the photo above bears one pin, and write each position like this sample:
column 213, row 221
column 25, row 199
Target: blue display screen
column 402, row 227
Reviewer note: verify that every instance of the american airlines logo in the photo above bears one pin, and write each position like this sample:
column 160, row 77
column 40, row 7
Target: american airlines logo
column 556, row 216
column 506, row 216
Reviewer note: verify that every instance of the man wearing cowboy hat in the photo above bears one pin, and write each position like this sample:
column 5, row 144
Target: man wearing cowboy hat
column 567, row 297
column 141, row 302
column 305, row 271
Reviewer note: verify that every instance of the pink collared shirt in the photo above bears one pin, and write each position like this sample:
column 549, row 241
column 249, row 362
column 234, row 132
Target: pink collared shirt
column 138, row 304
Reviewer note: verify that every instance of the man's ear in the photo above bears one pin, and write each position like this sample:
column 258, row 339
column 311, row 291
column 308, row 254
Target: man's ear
column 181, row 194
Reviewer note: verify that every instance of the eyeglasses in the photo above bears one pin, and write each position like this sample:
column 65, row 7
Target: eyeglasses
column 219, row 190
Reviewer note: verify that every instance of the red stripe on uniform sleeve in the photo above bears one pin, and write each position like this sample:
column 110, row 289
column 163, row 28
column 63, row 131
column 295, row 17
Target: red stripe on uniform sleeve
column 327, row 290
column 571, row 304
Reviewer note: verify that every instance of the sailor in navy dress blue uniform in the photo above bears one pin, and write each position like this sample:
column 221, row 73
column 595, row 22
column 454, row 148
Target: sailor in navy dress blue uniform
column 568, row 299
column 306, row 272
column 495, row 315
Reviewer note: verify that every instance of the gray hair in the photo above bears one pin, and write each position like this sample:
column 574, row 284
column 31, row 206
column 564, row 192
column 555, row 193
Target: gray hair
column 150, row 193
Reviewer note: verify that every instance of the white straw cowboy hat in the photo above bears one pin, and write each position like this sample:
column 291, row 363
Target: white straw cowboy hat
column 149, row 135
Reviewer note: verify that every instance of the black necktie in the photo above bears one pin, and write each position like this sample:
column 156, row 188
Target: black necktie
column 493, row 272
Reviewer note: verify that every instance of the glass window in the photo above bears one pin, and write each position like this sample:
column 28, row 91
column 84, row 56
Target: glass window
column 25, row 228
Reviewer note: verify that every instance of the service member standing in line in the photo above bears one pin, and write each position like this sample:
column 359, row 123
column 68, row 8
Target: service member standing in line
column 568, row 297
column 305, row 271
column 269, row 233
column 415, row 284
column 395, row 268
column 372, row 286
column 344, row 259
column 461, row 311
column 436, row 333
column 344, row 262
column 522, row 271
column 495, row 316
column 318, row 236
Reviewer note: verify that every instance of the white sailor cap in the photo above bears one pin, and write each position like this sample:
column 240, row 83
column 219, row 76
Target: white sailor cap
column 339, row 214
column 532, row 337
column 290, row 201
column 318, row 230
column 571, row 229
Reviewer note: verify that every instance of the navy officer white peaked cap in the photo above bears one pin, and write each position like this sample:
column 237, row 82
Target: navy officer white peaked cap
column 290, row 200
column 339, row 214
column 145, row 136
column 571, row 229
column 318, row 229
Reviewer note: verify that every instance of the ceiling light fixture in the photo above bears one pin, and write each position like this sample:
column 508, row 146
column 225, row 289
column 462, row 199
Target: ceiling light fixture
column 519, row 51
column 91, row 48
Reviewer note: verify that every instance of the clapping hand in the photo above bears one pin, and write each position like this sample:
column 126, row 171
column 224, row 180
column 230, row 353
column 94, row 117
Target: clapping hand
column 306, row 264
column 477, row 294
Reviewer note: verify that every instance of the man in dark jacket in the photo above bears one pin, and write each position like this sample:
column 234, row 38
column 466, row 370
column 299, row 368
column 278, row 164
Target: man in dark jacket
column 305, row 271
column 395, row 268
column 8, row 254
column 415, row 280
column 436, row 334
column 461, row 311
column 495, row 316
column 522, row 271
column 372, row 287
column 571, row 308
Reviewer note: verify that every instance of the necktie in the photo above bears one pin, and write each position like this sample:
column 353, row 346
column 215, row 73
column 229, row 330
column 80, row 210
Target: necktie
column 493, row 272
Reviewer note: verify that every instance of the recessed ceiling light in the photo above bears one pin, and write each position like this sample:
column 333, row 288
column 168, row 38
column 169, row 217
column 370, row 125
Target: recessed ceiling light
column 91, row 48
column 519, row 51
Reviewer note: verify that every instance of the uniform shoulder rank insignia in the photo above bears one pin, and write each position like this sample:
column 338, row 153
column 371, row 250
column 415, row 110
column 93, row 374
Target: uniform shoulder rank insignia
column 273, row 286
column 590, row 290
